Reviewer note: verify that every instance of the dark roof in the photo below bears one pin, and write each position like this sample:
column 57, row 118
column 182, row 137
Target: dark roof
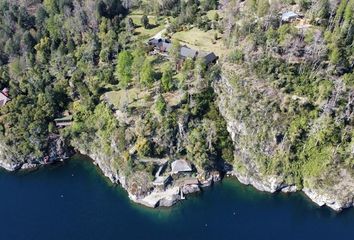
column 208, row 57
column 185, row 52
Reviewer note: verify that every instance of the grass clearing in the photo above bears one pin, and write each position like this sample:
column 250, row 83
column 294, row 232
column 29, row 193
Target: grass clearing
column 157, row 25
column 198, row 39
column 133, row 97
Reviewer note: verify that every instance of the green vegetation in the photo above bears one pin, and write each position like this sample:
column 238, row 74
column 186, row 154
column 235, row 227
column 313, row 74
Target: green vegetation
column 124, row 68
column 90, row 59
column 291, row 82
column 294, row 101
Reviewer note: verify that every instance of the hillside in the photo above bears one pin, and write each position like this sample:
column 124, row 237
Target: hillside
column 168, row 96
column 290, row 85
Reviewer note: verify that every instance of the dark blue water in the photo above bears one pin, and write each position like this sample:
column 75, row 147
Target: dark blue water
column 74, row 201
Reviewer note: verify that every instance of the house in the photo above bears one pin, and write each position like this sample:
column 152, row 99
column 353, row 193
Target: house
column 187, row 52
column 209, row 58
column 162, row 181
column 163, row 46
column 186, row 182
column 289, row 16
column 181, row 166
column 64, row 121
column 4, row 97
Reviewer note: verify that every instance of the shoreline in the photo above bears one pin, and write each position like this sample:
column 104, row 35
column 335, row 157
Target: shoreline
column 171, row 195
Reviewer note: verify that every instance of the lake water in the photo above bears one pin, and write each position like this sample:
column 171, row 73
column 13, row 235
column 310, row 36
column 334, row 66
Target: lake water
column 74, row 201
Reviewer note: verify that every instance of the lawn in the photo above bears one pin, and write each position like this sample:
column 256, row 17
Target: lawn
column 198, row 39
column 133, row 97
column 157, row 25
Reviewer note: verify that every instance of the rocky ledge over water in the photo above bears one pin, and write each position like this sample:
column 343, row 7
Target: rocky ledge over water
column 57, row 150
column 164, row 190
column 259, row 134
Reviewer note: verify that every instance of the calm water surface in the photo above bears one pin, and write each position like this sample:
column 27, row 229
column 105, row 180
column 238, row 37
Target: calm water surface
column 74, row 201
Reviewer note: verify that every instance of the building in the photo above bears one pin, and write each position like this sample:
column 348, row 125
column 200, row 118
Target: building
column 164, row 45
column 290, row 17
column 162, row 181
column 64, row 121
column 181, row 166
column 4, row 97
column 187, row 52
column 209, row 58
column 161, row 45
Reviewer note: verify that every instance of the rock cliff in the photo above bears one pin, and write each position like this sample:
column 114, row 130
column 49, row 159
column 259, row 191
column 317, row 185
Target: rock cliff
column 257, row 133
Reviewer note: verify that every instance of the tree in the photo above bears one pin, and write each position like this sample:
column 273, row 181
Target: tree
column 130, row 25
column 216, row 17
column 197, row 147
column 175, row 52
column 10, row 47
column 160, row 105
column 138, row 61
column 145, row 21
column 101, row 8
column 166, row 80
column 323, row 10
column 28, row 41
column 51, row 6
column 263, row 7
column 200, row 69
column 147, row 74
column 123, row 69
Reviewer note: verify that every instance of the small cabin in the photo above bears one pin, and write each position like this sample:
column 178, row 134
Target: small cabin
column 181, row 166
column 290, row 16
column 208, row 57
column 162, row 181
column 64, row 121
column 4, row 97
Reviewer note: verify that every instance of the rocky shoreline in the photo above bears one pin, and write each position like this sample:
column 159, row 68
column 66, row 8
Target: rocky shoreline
column 172, row 194
column 338, row 196
column 157, row 197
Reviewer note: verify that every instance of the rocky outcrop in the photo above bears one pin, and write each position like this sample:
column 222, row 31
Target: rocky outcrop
column 338, row 196
column 252, row 96
column 266, row 183
column 158, row 198
column 57, row 151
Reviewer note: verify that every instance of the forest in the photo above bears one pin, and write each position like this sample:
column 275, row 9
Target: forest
column 287, row 64
column 61, row 56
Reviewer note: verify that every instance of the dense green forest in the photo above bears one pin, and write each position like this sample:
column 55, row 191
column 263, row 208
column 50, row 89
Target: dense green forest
column 62, row 56
column 52, row 54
